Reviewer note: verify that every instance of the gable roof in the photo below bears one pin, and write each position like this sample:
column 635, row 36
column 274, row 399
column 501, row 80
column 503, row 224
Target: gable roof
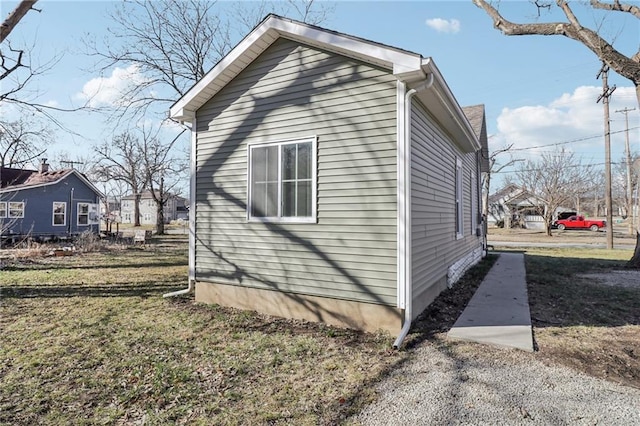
column 27, row 179
column 514, row 195
column 11, row 176
column 476, row 116
column 408, row 67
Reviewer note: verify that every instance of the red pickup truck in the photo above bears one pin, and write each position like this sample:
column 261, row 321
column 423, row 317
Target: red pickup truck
column 579, row 222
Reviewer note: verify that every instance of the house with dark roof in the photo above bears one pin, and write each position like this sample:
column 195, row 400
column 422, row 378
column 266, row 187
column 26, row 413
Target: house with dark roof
column 334, row 179
column 45, row 204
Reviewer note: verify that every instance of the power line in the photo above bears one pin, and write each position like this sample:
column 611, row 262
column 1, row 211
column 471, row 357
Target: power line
column 570, row 141
column 566, row 167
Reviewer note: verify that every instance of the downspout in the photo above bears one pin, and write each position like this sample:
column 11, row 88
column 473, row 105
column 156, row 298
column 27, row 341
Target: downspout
column 406, row 211
column 192, row 216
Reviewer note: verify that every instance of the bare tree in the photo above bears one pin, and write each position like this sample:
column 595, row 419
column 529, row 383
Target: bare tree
column 624, row 193
column 172, row 44
column 494, row 167
column 14, row 17
column 556, row 178
column 248, row 15
column 120, row 160
column 22, row 141
column 164, row 169
column 627, row 66
column 84, row 164
column 18, row 70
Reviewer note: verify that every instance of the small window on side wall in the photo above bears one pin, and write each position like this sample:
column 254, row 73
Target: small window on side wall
column 16, row 209
column 83, row 214
column 3, row 209
column 458, row 197
column 282, row 181
column 59, row 213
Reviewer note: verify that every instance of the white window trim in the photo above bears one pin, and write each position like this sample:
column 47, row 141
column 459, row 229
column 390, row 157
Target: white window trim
column 459, row 197
column 53, row 214
column 78, row 214
column 4, row 210
column 9, row 209
column 314, row 179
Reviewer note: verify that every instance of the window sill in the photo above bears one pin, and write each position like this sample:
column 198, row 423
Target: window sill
column 282, row 220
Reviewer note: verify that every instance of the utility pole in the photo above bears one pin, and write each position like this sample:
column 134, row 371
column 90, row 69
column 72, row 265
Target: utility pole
column 627, row 150
column 606, row 93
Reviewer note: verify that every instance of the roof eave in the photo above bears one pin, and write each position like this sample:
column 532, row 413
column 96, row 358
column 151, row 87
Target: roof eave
column 447, row 110
column 401, row 63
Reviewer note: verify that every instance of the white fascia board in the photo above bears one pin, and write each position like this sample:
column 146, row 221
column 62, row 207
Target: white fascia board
column 401, row 62
column 395, row 59
column 188, row 104
column 451, row 104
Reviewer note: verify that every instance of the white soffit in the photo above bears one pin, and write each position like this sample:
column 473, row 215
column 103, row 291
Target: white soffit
column 399, row 61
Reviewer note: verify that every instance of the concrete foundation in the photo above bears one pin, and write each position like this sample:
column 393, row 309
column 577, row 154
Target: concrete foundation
column 342, row 313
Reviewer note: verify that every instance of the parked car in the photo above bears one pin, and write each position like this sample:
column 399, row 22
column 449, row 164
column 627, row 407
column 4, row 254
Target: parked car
column 579, row 222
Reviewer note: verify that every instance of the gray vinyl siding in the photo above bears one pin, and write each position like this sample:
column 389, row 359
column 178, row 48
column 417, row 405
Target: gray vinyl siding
column 293, row 91
column 435, row 246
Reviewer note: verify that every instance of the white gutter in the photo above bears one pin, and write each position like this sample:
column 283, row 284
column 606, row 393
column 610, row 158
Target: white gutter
column 404, row 208
column 192, row 216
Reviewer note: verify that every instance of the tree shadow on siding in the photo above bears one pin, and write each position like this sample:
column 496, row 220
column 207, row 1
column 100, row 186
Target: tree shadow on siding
column 304, row 83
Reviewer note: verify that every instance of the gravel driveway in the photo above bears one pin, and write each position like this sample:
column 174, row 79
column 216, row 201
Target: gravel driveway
column 456, row 384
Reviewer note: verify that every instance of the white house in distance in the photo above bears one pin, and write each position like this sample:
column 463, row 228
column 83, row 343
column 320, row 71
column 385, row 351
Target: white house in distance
column 333, row 179
column 174, row 209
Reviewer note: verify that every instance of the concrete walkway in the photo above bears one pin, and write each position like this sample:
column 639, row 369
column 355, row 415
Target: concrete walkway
column 498, row 313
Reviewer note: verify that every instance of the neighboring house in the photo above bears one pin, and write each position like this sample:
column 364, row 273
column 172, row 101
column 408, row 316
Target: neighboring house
column 515, row 207
column 149, row 210
column 47, row 204
column 334, row 179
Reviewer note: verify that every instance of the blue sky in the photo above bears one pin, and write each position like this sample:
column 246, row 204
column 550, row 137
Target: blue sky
column 537, row 90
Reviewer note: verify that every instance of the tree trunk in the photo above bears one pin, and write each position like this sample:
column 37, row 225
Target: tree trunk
column 136, row 209
column 160, row 218
column 634, row 262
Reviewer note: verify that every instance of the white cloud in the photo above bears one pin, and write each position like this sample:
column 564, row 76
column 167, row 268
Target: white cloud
column 443, row 26
column 111, row 91
column 574, row 118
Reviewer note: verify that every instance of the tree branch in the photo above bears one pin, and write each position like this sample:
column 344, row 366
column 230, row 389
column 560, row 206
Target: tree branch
column 628, row 67
column 14, row 17
column 617, row 6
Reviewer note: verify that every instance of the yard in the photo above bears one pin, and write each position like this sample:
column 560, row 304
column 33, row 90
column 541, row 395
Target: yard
column 88, row 339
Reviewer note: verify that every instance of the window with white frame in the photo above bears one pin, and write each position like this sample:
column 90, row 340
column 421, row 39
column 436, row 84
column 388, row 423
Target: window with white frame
column 3, row 209
column 473, row 187
column 282, row 181
column 458, row 196
column 147, row 217
column 83, row 214
column 16, row 209
column 59, row 213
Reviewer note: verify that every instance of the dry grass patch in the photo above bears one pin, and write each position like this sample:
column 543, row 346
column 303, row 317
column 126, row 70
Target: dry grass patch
column 88, row 339
column 578, row 320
